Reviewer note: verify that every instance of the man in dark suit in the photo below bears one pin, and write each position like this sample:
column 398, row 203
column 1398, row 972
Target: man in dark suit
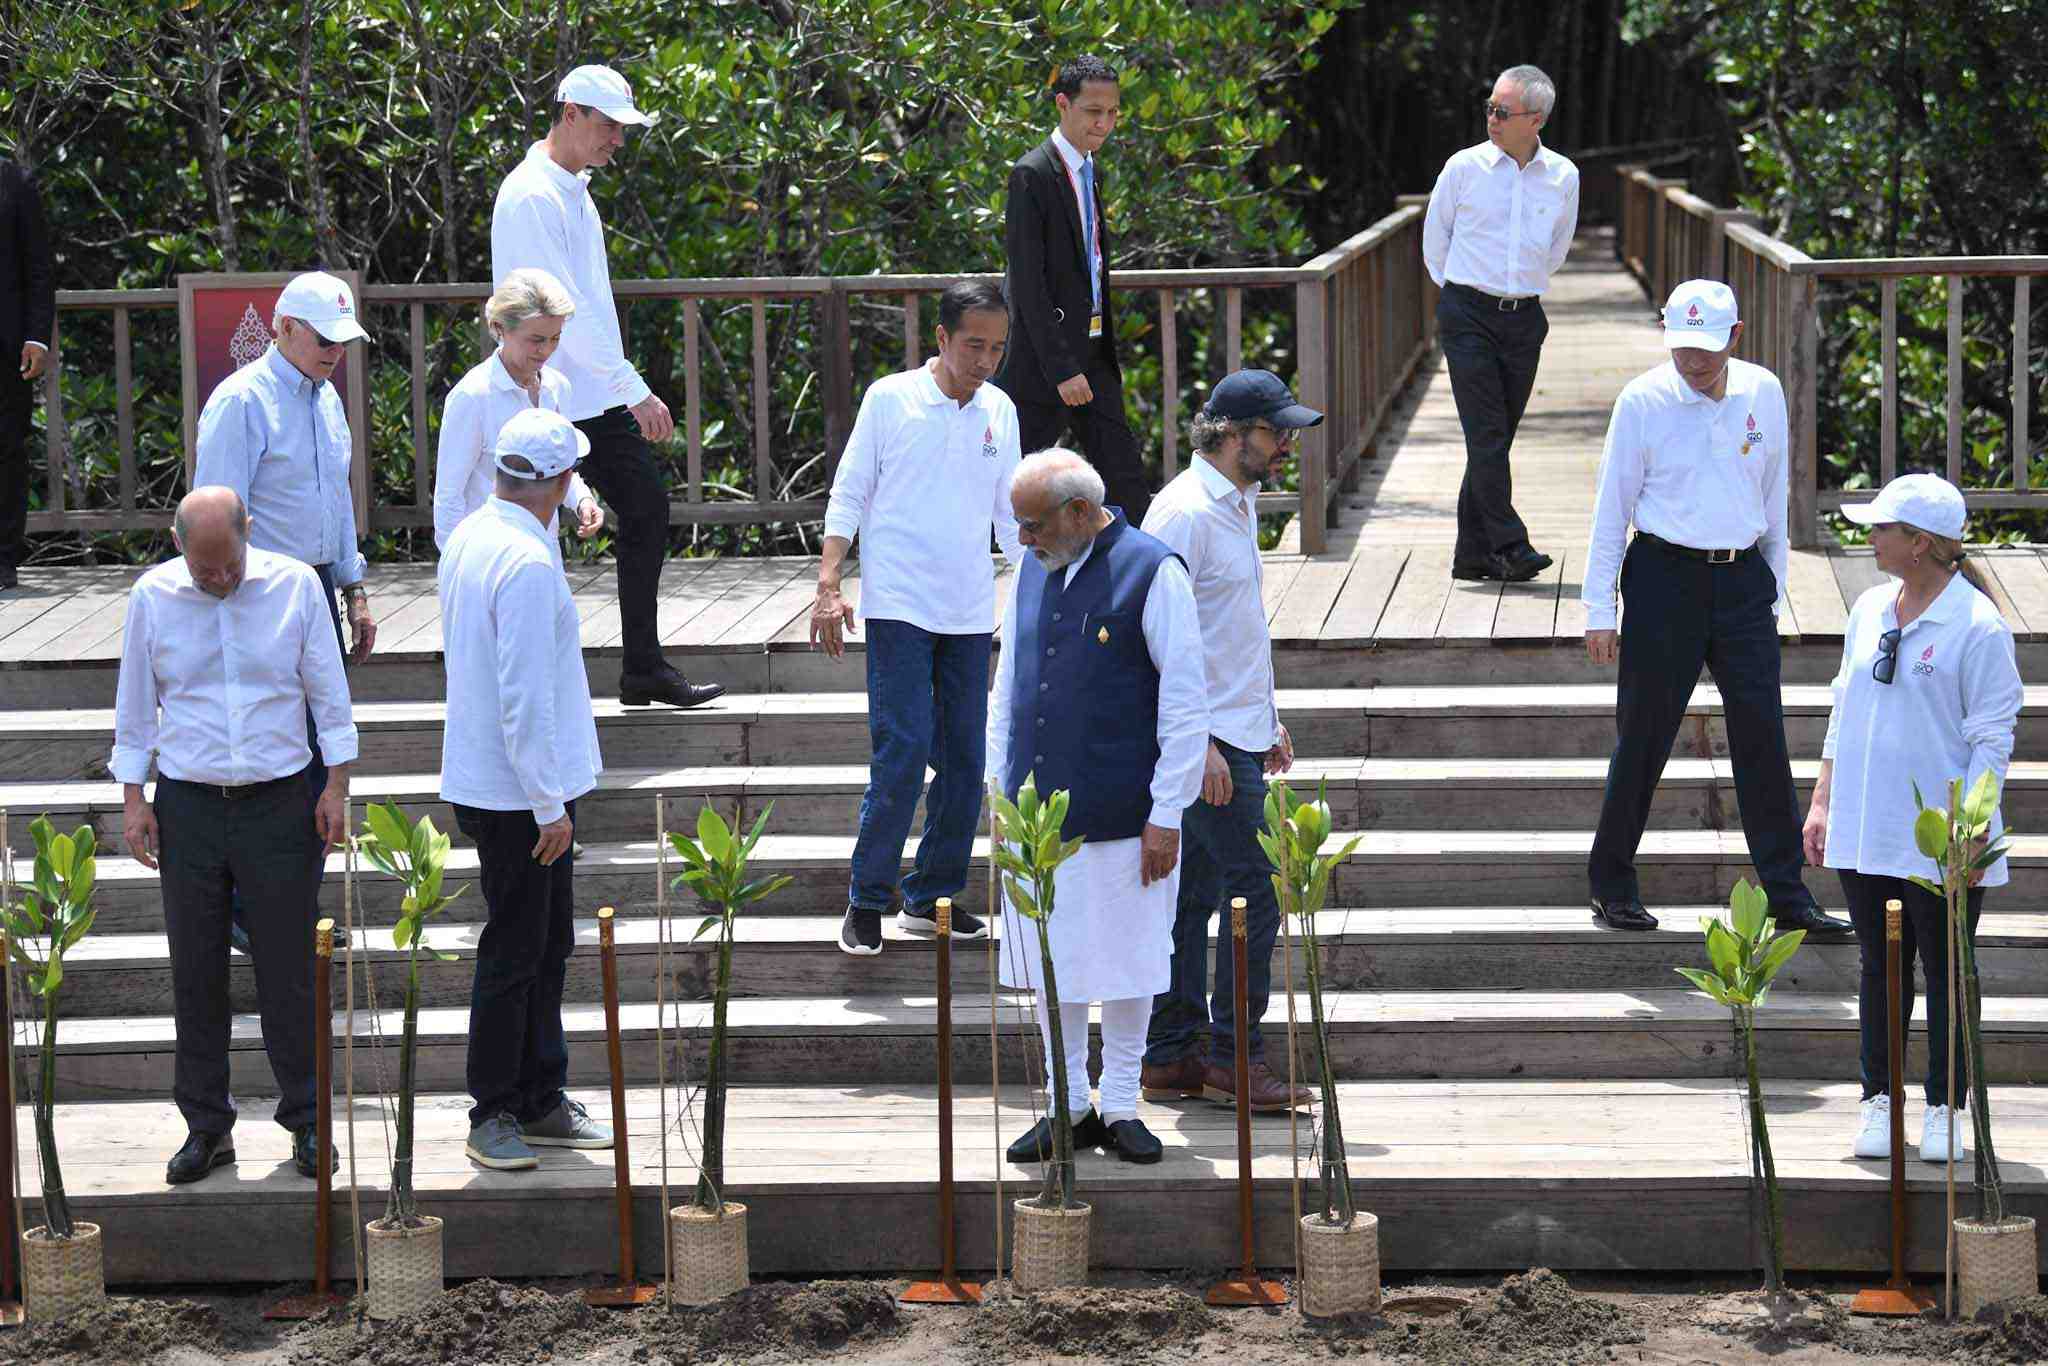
column 28, row 313
column 1061, row 370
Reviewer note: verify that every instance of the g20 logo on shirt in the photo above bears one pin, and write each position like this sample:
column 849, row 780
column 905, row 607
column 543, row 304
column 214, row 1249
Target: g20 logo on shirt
column 1925, row 664
column 988, row 443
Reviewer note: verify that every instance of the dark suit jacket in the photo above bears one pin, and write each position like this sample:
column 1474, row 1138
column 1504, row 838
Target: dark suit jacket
column 1047, row 283
column 28, row 277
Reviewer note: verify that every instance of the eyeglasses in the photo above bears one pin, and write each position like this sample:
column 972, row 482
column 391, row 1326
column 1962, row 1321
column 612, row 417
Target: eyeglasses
column 1503, row 113
column 1031, row 526
column 1887, row 662
column 1282, row 435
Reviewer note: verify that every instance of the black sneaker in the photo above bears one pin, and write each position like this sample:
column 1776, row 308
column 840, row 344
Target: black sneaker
column 860, row 932
column 923, row 921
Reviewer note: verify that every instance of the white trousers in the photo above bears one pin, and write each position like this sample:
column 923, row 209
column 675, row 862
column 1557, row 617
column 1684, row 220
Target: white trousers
column 1124, row 1023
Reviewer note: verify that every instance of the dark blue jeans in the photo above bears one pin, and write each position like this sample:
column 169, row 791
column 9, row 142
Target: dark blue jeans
column 927, row 707
column 1923, row 932
column 1220, row 859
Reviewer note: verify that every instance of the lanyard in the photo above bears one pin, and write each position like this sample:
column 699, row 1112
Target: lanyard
column 1091, row 236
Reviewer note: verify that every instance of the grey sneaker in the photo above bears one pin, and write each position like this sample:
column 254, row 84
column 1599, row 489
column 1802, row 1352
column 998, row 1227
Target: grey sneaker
column 570, row 1126
column 495, row 1143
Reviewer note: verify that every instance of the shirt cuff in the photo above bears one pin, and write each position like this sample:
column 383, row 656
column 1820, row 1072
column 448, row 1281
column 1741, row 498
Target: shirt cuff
column 1165, row 817
column 342, row 749
column 1599, row 618
column 129, row 765
column 636, row 392
column 548, row 815
column 31, row 341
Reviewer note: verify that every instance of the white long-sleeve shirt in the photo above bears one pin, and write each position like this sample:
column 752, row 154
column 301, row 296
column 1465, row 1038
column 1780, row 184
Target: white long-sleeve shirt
column 1694, row 472
column 280, row 440
column 1497, row 226
column 546, row 219
column 1948, row 713
column 1215, row 529
column 921, row 483
column 215, row 690
column 520, row 734
column 1173, row 637
column 479, row 405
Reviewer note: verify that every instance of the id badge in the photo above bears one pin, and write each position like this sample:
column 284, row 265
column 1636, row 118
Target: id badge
column 1094, row 325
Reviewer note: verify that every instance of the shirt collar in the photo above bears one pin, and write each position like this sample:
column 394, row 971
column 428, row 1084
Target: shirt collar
column 1495, row 155
column 552, row 169
column 295, row 380
column 1740, row 382
column 1216, row 483
column 928, row 389
column 257, row 567
column 501, row 378
column 513, row 515
column 1068, row 152
column 1949, row 603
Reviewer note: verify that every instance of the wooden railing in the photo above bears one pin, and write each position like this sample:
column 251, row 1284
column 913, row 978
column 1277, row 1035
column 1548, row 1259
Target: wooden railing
column 1667, row 235
column 1360, row 316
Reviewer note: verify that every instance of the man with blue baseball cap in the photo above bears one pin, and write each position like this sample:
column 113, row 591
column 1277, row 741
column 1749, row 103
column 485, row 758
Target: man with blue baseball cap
column 519, row 747
column 1209, row 514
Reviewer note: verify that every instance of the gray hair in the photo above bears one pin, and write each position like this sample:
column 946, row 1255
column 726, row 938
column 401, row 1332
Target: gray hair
column 528, row 293
column 1207, row 433
column 1066, row 476
column 1539, row 92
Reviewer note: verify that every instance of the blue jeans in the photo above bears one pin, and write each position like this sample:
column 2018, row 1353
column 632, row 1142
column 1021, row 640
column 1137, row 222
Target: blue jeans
column 927, row 707
column 1220, row 858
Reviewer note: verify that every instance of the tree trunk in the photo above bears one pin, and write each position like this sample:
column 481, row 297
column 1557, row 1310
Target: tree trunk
column 1990, row 1188
column 325, row 248
column 213, row 162
column 403, row 1205
column 1760, row 1137
column 1058, row 1191
column 1336, row 1174
column 711, row 1175
column 56, row 1208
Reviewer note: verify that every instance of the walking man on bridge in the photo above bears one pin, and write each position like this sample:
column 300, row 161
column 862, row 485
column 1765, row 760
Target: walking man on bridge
column 1696, row 461
column 28, row 316
column 1500, row 223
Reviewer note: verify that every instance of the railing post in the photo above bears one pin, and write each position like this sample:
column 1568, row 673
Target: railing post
column 1312, row 384
column 837, row 364
column 1169, row 386
column 53, row 419
column 1802, row 348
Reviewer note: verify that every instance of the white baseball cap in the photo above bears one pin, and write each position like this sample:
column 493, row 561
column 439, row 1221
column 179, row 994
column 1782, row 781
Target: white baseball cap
column 1700, row 313
column 604, row 89
column 322, row 302
column 544, row 439
column 1926, row 501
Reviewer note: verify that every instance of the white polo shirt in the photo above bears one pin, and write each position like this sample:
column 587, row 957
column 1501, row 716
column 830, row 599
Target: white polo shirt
column 1948, row 713
column 1215, row 528
column 921, row 483
column 1692, row 471
column 1500, row 227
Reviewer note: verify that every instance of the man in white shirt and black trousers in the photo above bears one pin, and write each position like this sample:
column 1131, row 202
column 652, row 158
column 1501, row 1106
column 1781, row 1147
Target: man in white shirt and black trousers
column 226, row 650
column 1500, row 223
column 924, row 480
column 1696, row 460
column 1209, row 516
column 518, row 749
column 545, row 218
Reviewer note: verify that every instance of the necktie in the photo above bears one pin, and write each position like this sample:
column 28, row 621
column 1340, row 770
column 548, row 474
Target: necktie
column 1088, row 230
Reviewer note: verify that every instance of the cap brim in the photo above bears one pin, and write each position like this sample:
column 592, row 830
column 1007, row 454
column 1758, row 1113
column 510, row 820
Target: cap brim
column 1863, row 514
column 626, row 113
column 1712, row 340
column 582, row 446
column 338, row 329
column 1294, row 417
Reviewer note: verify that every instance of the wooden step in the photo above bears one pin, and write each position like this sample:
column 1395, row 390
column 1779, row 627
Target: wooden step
column 1466, row 1176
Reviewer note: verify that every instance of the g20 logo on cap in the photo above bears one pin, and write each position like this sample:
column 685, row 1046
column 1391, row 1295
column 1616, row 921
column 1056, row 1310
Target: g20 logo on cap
column 341, row 302
column 1692, row 317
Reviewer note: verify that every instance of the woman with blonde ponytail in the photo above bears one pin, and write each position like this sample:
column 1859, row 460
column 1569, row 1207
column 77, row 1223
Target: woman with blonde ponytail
column 1928, row 692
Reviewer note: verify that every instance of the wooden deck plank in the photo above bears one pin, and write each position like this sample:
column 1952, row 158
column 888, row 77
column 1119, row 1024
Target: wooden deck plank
column 1528, row 611
column 1856, row 571
column 49, row 634
column 2025, row 579
column 1277, row 576
column 1355, row 616
column 1417, row 604
column 1470, row 609
column 1815, row 594
column 1309, row 599
column 704, row 630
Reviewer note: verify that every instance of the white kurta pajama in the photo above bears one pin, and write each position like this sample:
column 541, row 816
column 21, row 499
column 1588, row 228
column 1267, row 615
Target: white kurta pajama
column 1112, row 938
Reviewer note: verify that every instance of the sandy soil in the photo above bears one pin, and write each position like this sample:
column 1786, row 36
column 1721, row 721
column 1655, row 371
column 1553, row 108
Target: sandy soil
column 1534, row 1318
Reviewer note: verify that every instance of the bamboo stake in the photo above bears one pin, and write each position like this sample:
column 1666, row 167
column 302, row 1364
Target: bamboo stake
column 660, row 1036
column 1293, row 1111
column 995, row 1051
column 1955, row 968
column 11, row 1308
column 348, row 1037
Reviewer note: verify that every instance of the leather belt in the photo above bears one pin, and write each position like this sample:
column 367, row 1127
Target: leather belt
column 1501, row 302
column 239, row 791
column 1694, row 553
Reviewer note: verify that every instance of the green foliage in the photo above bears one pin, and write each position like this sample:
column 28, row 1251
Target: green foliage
column 1293, row 839
column 54, row 913
column 715, row 868
column 416, row 854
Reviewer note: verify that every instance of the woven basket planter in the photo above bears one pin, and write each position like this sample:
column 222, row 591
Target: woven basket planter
column 1340, row 1266
column 60, row 1276
column 1994, row 1262
column 404, row 1267
column 707, row 1253
column 1052, row 1246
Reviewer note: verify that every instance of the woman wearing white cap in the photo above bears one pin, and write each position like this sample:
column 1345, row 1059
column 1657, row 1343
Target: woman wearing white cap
column 1928, row 693
column 526, row 315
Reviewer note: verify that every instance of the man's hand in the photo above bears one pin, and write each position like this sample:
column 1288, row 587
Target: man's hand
column 362, row 630
column 1160, row 851
column 1280, row 758
column 1974, row 848
column 830, row 616
column 138, row 827
column 554, row 841
column 589, row 519
column 1075, row 392
column 1215, row 777
column 1603, row 647
column 34, row 360
column 1814, row 835
column 330, row 812
column 652, row 415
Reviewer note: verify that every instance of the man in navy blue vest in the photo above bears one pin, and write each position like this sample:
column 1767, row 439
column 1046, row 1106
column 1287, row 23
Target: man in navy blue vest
column 1100, row 692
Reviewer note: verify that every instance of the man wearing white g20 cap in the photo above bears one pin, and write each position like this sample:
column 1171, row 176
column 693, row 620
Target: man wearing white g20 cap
column 519, row 748
column 545, row 219
column 1696, row 462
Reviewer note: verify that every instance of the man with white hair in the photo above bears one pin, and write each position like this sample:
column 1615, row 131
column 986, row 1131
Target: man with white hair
column 1100, row 692
column 1500, row 222
column 545, row 218
column 519, row 748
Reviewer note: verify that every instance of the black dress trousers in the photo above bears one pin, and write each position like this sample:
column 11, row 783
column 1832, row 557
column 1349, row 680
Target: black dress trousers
column 1492, row 354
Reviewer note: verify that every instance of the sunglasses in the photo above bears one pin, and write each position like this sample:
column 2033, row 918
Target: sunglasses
column 1503, row 113
column 1886, row 665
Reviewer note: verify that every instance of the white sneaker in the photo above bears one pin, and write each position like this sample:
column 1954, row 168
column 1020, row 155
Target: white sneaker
column 1874, row 1136
column 1934, row 1135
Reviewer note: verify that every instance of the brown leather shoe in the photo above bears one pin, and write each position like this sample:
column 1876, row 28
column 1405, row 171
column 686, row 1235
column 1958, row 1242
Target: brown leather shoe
column 1179, row 1080
column 1267, row 1092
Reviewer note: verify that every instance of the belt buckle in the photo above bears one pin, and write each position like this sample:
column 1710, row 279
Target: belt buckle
column 227, row 791
column 1722, row 556
column 1507, row 305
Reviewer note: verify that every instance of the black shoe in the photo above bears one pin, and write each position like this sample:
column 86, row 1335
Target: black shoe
column 1134, row 1142
column 666, row 685
column 1514, row 566
column 1036, row 1146
column 923, row 921
column 200, row 1155
column 1623, row 913
column 1813, row 920
column 304, row 1153
column 860, row 932
column 7, row 577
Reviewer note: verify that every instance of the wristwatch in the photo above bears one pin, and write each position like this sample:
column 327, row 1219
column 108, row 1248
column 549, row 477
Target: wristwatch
column 355, row 592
